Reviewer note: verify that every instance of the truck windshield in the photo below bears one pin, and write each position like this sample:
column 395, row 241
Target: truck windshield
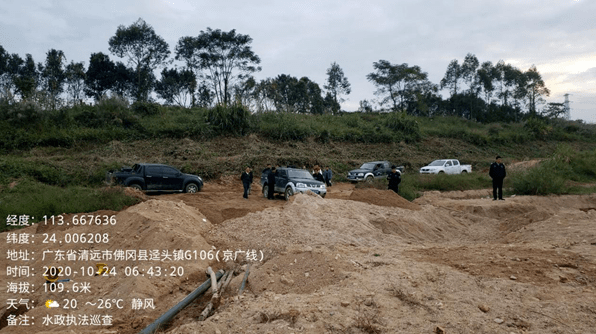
column 368, row 165
column 299, row 174
column 437, row 163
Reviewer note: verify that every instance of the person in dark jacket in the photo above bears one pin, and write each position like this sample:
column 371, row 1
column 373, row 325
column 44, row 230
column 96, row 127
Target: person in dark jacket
column 271, row 183
column 317, row 174
column 497, row 173
column 394, row 179
column 246, row 179
column 267, row 170
column 328, row 175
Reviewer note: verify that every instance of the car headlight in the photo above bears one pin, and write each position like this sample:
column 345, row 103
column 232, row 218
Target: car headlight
column 360, row 174
column 300, row 185
column 323, row 186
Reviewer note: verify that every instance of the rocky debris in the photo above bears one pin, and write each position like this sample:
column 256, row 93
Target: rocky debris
column 484, row 308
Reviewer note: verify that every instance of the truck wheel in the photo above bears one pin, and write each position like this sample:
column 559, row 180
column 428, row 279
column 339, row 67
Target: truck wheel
column 288, row 193
column 191, row 188
column 441, row 172
column 136, row 186
column 464, row 171
column 265, row 190
column 369, row 179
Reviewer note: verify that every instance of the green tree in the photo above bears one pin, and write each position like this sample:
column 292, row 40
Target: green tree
column 176, row 87
column 123, row 80
column 5, row 77
column 452, row 77
column 53, row 75
column 554, row 110
column 337, row 84
column 144, row 49
column 486, row 77
column 100, row 75
column 396, row 84
column 535, row 88
column 244, row 91
column 204, row 96
column 26, row 78
column 223, row 58
column 290, row 94
column 75, row 81
column 262, row 96
column 468, row 72
column 508, row 77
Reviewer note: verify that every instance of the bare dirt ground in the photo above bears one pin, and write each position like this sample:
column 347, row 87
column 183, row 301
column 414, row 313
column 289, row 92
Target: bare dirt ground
column 358, row 261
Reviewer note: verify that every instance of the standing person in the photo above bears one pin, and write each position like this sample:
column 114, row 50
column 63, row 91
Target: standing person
column 251, row 178
column 267, row 170
column 327, row 175
column 497, row 173
column 394, row 179
column 271, row 183
column 246, row 179
column 317, row 174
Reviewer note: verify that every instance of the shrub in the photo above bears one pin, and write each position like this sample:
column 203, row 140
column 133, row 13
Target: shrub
column 406, row 128
column 38, row 199
column 22, row 114
column 538, row 128
column 284, row 126
column 229, row 120
column 145, row 108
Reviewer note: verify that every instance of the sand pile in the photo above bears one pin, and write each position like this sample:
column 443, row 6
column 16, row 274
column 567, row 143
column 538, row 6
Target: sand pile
column 310, row 221
column 135, row 193
column 154, row 226
column 382, row 198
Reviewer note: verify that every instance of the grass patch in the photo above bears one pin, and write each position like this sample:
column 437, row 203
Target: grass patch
column 36, row 199
column 558, row 174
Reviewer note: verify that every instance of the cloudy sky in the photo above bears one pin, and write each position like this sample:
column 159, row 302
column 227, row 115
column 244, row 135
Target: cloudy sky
column 302, row 38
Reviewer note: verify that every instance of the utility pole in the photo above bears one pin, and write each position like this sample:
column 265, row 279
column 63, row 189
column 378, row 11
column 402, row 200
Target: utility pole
column 566, row 107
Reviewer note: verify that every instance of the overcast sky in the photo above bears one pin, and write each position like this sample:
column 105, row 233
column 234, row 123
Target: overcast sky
column 302, row 38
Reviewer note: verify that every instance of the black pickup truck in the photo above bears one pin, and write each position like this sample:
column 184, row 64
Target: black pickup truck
column 155, row 177
column 372, row 170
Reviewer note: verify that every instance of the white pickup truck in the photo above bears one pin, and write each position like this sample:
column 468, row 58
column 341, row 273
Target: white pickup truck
column 447, row 166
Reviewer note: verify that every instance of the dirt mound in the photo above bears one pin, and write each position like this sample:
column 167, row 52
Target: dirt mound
column 543, row 267
column 310, row 221
column 156, row 227
column 135, row 193
column 300, row 273
column 382, row 198
column 429, row 197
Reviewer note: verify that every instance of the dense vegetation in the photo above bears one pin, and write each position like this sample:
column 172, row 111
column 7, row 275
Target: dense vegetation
column 24, row 126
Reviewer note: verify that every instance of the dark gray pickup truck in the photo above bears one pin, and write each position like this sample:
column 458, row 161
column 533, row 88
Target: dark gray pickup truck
column 155, row 177
column 372, row 170
column 290, row 181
